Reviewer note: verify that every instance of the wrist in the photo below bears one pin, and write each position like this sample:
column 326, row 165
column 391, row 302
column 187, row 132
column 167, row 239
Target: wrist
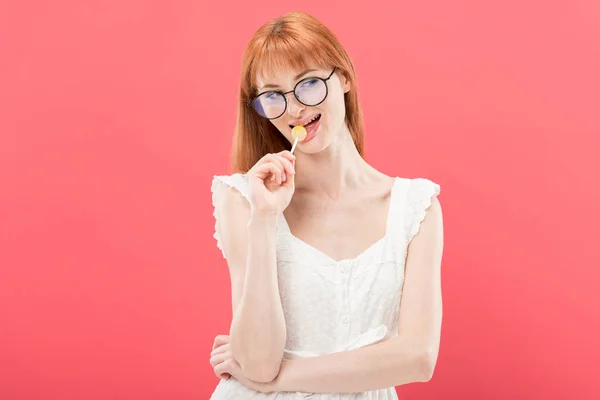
column 262, row 218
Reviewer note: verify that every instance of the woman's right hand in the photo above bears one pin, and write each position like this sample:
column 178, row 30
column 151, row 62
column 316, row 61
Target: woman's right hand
column 271, row 182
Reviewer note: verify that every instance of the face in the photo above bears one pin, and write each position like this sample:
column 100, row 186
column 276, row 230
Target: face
column 323, row 119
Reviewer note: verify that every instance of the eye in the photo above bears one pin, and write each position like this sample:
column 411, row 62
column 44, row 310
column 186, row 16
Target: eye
column 271, row 97
column 309, row 82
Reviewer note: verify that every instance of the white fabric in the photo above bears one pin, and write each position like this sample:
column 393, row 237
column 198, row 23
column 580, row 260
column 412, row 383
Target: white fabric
column 333, row 306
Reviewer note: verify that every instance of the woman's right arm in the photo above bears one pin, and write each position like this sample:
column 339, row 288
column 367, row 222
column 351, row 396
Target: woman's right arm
column 258, row 332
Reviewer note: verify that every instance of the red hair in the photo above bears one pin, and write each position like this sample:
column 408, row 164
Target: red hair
column 291, row 41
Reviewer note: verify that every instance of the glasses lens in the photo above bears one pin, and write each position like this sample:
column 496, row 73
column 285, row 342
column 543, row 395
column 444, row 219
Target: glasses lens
column 269, row 104
column 311, row 91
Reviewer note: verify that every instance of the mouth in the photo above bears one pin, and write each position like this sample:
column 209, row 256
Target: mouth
column 312, row 126
column 311, row 122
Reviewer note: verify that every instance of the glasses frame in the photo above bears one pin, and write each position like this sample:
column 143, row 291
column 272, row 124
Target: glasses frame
column 284, row 94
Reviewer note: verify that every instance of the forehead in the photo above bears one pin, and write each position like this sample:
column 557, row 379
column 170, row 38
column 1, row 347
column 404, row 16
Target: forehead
column 286, row 76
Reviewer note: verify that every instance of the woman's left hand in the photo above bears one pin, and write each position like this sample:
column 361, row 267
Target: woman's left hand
column 225, row 366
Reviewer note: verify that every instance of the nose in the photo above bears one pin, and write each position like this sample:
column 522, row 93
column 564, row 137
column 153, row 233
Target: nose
column 294, row 106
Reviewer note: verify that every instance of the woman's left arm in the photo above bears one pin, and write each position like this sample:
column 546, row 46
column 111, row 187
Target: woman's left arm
column 409, row 357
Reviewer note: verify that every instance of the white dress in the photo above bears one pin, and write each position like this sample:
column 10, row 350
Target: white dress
column 330, row 305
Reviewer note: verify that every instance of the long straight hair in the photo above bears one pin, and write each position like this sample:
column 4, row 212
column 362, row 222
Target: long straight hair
column 291, row 41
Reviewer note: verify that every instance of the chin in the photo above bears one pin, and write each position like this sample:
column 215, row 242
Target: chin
column 318, row 144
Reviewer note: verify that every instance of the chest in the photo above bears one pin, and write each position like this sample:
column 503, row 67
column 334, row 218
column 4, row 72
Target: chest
column 341, row 230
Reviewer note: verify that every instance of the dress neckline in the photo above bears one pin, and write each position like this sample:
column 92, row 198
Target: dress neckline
column 364, row 252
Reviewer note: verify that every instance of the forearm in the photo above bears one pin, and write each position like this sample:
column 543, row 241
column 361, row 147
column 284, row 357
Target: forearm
column 382, row 365
column 258, row 331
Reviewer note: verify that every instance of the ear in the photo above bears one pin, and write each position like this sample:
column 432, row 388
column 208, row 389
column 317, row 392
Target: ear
column 345, row 80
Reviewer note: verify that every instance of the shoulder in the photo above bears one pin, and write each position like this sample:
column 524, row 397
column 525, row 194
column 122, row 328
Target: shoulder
column 231, row 209
column 230, row 188
column 425, row 191
column 230, row 197
column 232, row 180
column 420, row 185
column 418, row 190
column 422, row 208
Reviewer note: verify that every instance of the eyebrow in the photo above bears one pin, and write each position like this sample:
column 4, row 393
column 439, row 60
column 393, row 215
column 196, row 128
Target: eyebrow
column 271, row 86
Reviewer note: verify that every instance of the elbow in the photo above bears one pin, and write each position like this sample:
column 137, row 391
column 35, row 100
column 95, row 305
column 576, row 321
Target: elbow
column 258, row 366
column 426, row 365
column 258, row 363
column 261, row 371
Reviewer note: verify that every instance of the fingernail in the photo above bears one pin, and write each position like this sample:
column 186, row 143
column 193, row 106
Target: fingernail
column 284, row 177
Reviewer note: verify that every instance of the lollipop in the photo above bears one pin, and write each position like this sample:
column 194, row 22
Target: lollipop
column 298, row 133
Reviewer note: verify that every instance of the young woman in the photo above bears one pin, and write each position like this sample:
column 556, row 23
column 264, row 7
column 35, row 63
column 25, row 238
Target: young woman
column 334, row 266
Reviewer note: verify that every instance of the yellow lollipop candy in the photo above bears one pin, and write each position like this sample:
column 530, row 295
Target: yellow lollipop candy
column 298, row 133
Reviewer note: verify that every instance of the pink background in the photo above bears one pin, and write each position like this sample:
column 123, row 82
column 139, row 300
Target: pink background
column 114, row 115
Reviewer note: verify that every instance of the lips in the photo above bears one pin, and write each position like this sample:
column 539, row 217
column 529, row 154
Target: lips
column 312, row 129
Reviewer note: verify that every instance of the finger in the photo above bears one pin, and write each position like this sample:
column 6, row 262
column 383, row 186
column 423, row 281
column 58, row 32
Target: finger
column 290, row 181
column 289, row 167
column 221, row 375
column 223, row 368
column 278, row 160
column 288, row 155
column 267, row 158
column 269, row 169
column 221, row 349
column 219, row 358
column 220, row 340
column 263, row 160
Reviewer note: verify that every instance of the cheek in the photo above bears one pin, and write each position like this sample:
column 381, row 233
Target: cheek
column 336, row 109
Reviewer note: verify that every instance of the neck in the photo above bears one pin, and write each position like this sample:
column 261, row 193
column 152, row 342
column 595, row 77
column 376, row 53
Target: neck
column 332, row 172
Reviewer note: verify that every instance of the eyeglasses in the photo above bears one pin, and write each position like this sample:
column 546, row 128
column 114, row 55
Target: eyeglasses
column 310, row 91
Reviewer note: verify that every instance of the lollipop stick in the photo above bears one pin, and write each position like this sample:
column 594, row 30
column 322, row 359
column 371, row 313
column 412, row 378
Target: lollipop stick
column 294, row 146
